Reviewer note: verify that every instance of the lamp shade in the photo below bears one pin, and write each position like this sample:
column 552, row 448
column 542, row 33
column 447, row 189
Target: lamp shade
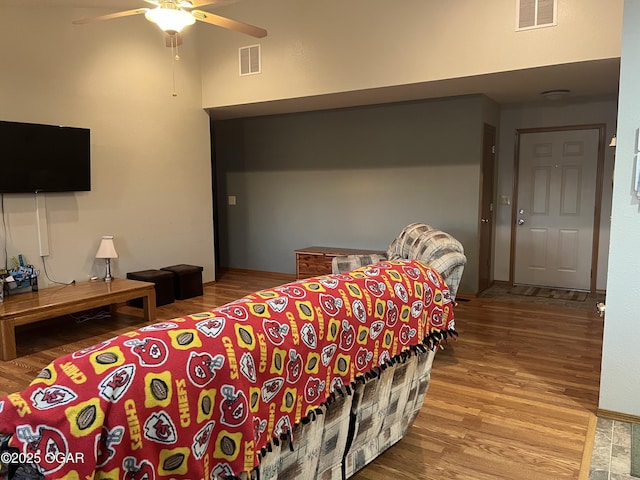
column 107, row 249
column 170, row 20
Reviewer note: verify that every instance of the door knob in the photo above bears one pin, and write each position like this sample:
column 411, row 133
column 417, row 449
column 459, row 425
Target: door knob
column 521, row 221
column 484, row 220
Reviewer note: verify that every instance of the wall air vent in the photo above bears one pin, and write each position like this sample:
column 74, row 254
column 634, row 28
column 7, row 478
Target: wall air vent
column 536, row 14
column 250, row 62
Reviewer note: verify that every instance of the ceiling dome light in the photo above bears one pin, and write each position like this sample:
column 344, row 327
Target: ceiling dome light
column 171, row 20
column 555, row 94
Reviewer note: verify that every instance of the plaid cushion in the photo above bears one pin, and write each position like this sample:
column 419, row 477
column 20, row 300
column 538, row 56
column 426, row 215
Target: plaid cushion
column 421, row 242
column 346, row 263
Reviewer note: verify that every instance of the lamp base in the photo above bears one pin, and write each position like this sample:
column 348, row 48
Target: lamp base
column 108, row 277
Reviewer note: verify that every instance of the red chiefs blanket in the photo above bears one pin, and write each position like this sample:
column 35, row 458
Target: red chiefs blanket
column 206, row 393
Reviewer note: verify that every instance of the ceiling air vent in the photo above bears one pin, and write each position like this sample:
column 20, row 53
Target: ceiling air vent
column 249, row 60
column 536, row 14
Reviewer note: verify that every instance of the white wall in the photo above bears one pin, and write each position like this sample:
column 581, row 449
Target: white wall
column 151, row 174
column 323, row 47
column 552, row 114
column 619, row 383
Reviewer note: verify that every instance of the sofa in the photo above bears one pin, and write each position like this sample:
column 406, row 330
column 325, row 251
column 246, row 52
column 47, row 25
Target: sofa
column 417, row 241
column 311, row 379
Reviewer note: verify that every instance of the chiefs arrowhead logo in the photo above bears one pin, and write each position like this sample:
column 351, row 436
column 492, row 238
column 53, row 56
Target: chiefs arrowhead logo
column 271, row 387
column 308, row 335
column 328, row 352
column 160, row 428
column 416, row 308
column 159, row 326
column 329, row 282
column 114, row 386
column 248, row 367
column 433, row 277
column 376, row 329
column 401, row 291
column 201, row 440
column 372, row 271
column 278, row 304
column 211, row 327
column 359, row 310
column 52, row 396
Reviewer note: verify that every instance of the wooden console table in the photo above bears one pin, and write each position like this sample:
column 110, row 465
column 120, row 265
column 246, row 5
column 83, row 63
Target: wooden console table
column 314, row 261
column 52, row 302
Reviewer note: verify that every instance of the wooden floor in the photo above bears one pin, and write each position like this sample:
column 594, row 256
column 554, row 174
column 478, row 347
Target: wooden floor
column 512, row 398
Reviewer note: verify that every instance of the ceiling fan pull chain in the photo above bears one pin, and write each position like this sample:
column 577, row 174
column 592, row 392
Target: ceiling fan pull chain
column 176, row 57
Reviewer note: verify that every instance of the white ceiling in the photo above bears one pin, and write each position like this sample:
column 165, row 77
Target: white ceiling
column 597, row 79
column 585, row 79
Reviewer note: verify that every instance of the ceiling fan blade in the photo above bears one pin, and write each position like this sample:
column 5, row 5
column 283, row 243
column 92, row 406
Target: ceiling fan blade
column 203, row 3
column 109, row 16
column 228, row 23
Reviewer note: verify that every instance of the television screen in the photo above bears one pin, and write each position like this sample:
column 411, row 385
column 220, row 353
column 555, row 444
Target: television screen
column 44, row 158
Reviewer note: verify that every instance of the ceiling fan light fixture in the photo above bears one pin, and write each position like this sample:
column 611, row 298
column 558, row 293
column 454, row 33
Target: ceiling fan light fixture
column 171, row 20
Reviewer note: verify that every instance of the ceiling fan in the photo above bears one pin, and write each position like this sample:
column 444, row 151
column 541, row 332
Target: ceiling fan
column 173, row 15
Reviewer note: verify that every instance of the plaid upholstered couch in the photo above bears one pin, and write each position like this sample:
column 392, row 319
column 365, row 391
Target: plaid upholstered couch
column 308, row 380
column 421, row 242
column 353, row 430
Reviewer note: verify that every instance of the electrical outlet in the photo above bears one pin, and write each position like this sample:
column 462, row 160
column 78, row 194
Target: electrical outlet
column 231, row 199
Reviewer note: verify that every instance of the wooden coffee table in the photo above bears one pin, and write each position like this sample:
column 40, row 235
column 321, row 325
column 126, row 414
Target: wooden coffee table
column 30, row 307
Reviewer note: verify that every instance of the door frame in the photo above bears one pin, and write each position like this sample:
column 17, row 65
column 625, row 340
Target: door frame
column 601, row 127
column 486, row 215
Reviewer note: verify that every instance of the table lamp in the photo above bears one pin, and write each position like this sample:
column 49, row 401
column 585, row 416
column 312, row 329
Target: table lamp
column 107, row 251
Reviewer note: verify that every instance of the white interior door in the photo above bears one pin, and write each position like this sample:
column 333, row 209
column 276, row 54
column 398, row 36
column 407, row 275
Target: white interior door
column 555, row 208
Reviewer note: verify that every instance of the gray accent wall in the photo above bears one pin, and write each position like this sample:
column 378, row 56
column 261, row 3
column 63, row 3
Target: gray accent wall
column 348, row 178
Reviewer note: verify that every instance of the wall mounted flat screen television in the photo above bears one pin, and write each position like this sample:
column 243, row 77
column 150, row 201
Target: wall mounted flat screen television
column 44, row 158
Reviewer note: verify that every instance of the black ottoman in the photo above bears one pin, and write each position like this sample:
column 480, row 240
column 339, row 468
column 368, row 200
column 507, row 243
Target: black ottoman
column 187, row 280
column 164, row 285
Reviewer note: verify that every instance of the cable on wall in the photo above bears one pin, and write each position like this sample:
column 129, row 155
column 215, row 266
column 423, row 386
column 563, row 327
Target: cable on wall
column 44, row 267
column 4, row 232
